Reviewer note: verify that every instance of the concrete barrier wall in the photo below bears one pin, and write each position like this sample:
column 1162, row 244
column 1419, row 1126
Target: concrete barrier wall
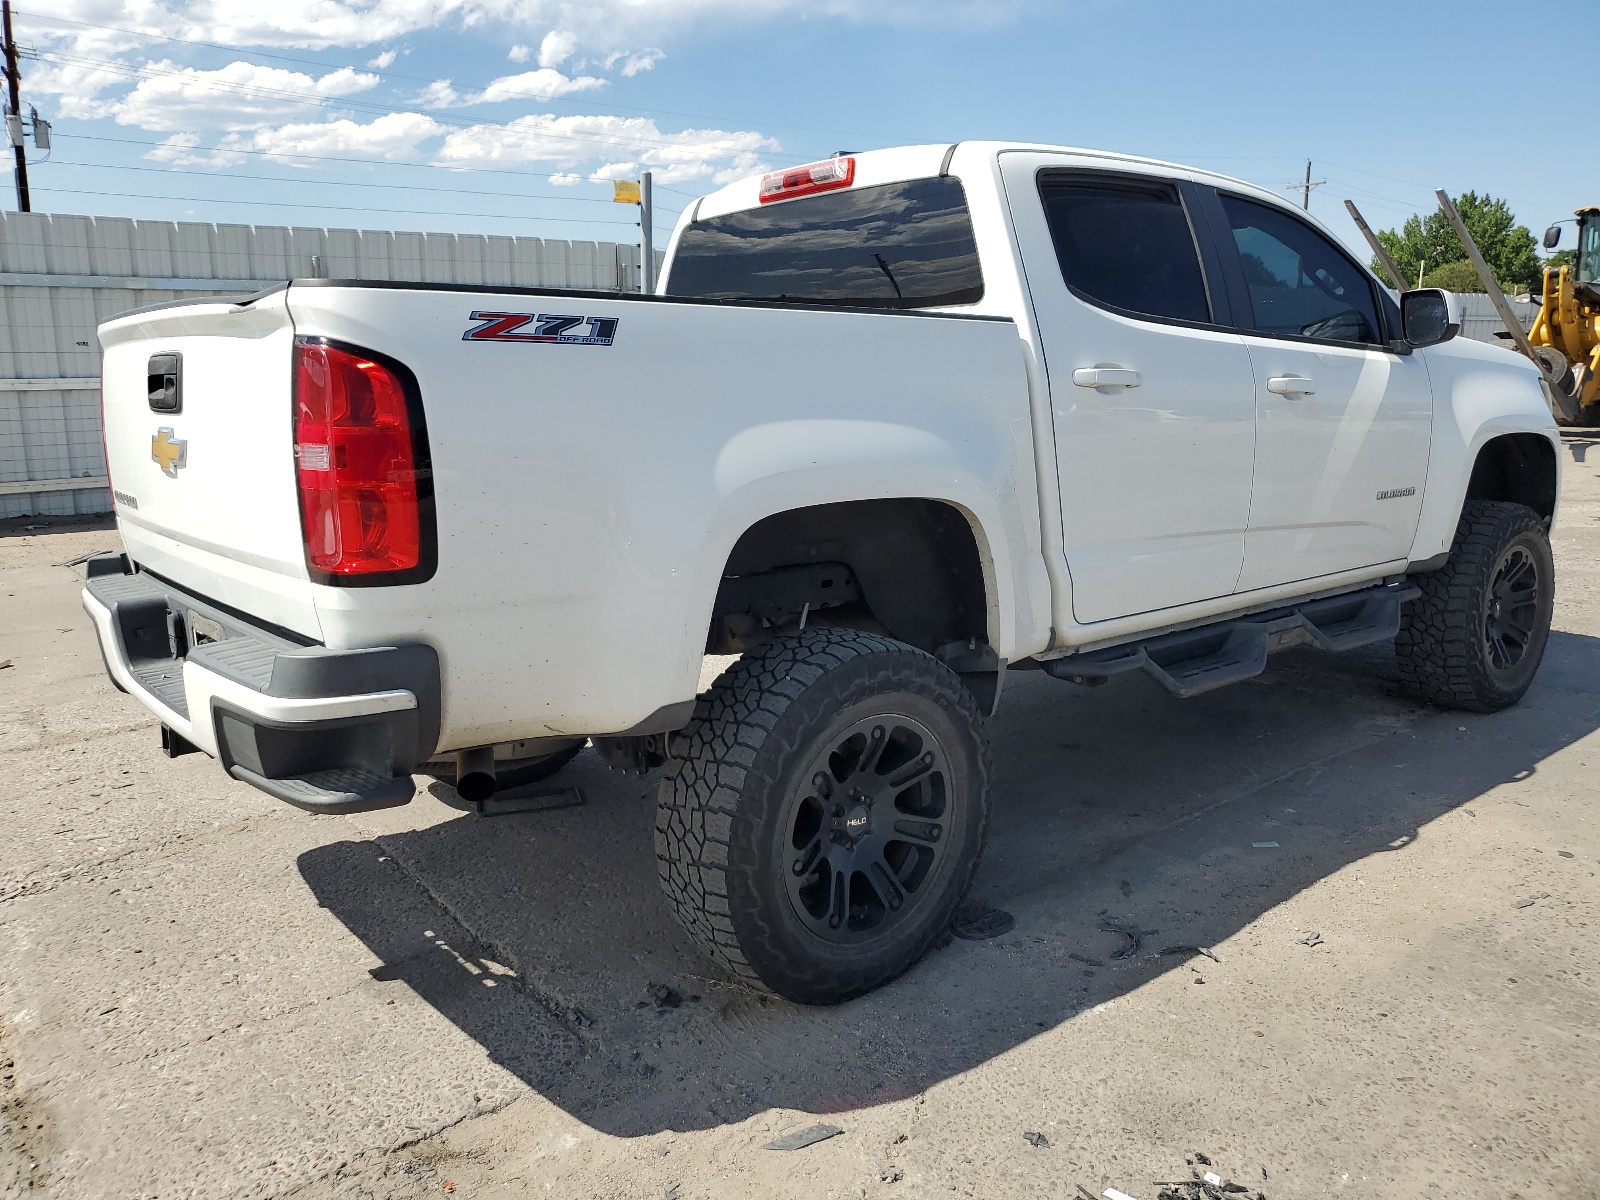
column 60, row 276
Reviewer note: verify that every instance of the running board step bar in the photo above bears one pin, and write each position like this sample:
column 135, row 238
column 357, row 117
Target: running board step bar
column 1193, row 661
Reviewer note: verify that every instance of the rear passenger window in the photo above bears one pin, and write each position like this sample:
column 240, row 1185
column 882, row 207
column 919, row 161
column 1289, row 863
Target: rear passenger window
column 1126, row 244
column 1300, row 284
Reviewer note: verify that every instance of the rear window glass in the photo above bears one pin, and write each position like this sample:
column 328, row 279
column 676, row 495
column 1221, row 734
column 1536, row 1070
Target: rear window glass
column 899, row 245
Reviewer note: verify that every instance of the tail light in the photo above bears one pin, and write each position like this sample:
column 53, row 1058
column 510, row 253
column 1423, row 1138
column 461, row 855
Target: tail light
column 361, row 455
column 815, row 177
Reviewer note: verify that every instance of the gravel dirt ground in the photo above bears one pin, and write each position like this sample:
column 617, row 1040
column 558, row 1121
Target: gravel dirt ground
column 206, row 993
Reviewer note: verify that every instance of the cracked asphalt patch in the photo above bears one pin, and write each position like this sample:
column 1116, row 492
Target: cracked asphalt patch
column 206, row 993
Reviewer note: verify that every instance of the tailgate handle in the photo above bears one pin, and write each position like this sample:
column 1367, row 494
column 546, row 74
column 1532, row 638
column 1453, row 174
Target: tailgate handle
column 164, row 377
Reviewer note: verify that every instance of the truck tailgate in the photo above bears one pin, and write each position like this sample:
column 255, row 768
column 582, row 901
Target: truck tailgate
column 200, row 449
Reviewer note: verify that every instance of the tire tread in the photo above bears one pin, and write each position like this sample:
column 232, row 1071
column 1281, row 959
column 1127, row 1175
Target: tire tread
column 1437, row 652
column 714, row 765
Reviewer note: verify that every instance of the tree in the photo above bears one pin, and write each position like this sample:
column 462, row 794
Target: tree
column 1507, row 247
column 1454, row 277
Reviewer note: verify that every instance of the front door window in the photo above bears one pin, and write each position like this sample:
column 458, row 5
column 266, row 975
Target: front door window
column 1299, row 284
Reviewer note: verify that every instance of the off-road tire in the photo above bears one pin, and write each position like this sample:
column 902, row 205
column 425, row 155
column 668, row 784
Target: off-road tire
column 745, row 760
column 1443, row 649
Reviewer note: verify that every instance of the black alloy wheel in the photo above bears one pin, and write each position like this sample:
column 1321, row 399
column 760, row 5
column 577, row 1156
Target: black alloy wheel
column 1475, row 637
column 865, row 827
column 823, row 813
column 1511, row 620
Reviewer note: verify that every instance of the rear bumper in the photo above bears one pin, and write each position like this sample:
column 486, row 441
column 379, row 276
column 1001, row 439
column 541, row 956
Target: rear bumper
column 332, row 731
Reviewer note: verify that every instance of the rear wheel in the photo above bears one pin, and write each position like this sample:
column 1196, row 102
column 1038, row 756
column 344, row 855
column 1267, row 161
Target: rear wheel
column 824, row 812
column 1475, row 637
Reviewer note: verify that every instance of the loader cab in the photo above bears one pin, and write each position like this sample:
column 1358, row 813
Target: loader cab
column 1586, row 259
column 1586, row 264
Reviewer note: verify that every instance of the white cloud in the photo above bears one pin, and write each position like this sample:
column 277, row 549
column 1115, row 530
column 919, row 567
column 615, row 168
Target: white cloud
column 77, row 87
column 543, row 84
column 439, row 94
column 632, row 62
column 556, row 48
column 643, row 61
column 240, row 95
column 346, row 81
column 282, row 112
column 623, row 145
column 179, row 149
column 598, row 25
column 397, row 137
column 626, row 145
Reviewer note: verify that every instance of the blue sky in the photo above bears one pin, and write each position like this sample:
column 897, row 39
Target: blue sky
column 509, row 116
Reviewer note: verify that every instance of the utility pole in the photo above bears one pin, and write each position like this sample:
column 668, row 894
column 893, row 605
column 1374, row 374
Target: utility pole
column 1305, row 201
column 647, row 231
column 14, row 111
column 637, row 191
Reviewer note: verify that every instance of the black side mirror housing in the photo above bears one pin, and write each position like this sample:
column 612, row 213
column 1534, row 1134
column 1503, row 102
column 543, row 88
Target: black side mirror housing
column 1429, row 316
column 1552, row 237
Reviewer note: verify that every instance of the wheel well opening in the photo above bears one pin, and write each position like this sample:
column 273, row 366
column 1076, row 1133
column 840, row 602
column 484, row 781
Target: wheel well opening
column 907, row 568
column 1520, row 468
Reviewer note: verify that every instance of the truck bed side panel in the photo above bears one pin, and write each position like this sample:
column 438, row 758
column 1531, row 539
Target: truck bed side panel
column 588, row 494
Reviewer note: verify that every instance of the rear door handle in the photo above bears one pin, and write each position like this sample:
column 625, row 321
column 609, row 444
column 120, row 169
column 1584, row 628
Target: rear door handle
column 1291, row 385
column 1105, row 377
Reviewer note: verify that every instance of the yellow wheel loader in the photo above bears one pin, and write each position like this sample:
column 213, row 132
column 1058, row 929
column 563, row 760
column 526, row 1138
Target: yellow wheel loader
column 1566, row 334
column 1564, row 342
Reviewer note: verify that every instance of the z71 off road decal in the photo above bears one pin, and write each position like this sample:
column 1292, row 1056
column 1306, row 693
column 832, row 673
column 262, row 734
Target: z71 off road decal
column 556, row 330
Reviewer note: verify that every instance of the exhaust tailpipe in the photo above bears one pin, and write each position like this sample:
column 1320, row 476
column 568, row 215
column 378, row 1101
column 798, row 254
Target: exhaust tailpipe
column 475, row 779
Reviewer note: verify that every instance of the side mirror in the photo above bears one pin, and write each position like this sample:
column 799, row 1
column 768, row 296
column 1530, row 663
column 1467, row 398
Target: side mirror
column 1430, row 316
column 1552, row 237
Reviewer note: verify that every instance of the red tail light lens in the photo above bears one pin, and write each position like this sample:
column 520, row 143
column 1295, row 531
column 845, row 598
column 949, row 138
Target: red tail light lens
column 808, row 180
column 361, row 457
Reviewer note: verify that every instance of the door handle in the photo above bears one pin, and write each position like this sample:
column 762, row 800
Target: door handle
column 1105, row 377
column 1291, row 386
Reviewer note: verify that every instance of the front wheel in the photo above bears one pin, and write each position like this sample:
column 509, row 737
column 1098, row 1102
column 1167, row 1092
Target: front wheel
column 824, row 812
column 1475, row 637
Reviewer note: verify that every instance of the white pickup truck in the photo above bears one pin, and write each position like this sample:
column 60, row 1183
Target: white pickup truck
column 896, row 423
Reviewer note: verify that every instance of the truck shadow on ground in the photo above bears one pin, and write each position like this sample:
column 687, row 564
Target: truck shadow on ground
column 543, row 937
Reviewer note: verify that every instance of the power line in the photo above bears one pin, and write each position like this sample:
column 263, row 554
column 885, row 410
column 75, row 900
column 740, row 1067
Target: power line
column 408, row 187
column 341, row 159
column 316, row 100
column 385, row 74
column 424, row 212
column 331, row 158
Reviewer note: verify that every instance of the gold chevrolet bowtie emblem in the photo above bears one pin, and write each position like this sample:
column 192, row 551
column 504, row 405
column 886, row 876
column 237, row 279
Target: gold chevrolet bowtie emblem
column 170, row 452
